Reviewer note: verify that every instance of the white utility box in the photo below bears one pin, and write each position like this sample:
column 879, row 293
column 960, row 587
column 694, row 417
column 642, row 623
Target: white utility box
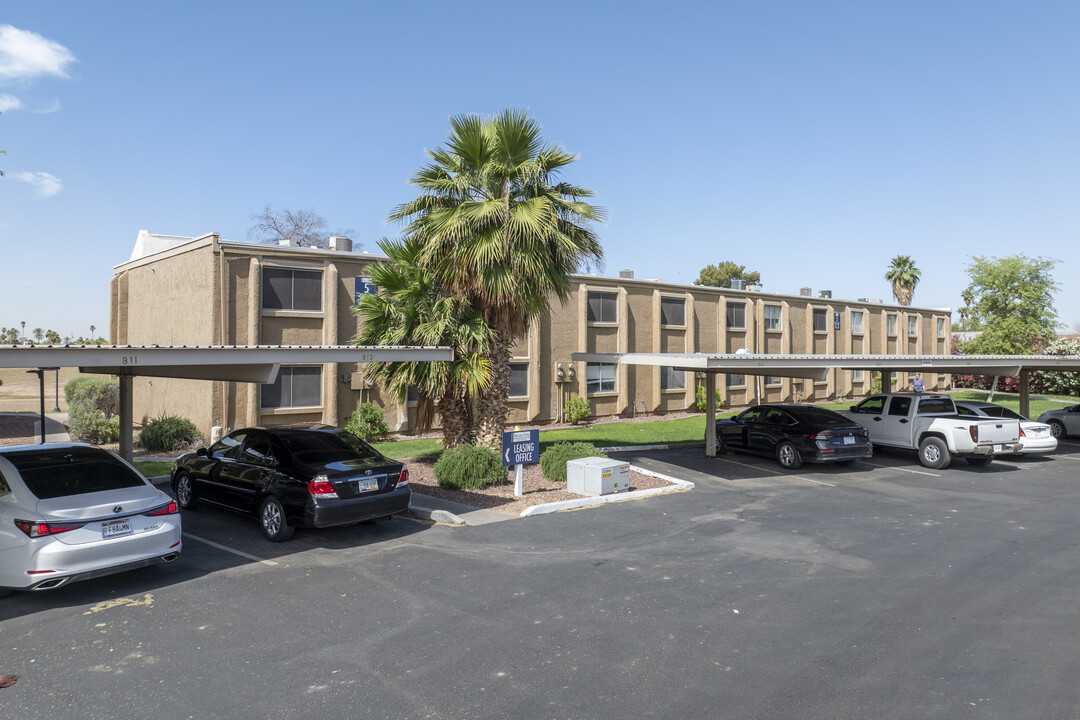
column 597, row 476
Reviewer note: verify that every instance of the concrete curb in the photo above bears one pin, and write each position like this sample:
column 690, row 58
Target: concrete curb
column 440, row 516
column 677, row 486
column 630, row 448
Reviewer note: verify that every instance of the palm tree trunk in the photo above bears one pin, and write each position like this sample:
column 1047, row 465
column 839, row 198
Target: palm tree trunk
column 491, row 410
column 455, row 419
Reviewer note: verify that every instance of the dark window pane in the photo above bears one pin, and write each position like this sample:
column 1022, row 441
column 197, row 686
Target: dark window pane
column 735, row 380
column 673, row 311
column 295, row 387
column 307, row 290
column 277, row 288
column 900, row 406
column 258, row 449
column 602, row 307
column 819, row 321
column 672, row 379
column 736, row 315
column 519, row 379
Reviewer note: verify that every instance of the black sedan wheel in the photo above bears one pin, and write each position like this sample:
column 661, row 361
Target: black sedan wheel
column 272, row 521
column 788, row 456
column 185, row 493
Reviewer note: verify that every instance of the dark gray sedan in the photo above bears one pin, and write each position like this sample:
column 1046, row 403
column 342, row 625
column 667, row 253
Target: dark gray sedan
column 291, row 477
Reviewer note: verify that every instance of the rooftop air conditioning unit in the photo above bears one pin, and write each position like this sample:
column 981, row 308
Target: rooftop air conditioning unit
column 805, row 292
column 825, row 294
column 737, row 284
column 341, row 244
column 626, row 274
column 862, row 299
column 753, row 288
column 878, row 301
column 288, row 242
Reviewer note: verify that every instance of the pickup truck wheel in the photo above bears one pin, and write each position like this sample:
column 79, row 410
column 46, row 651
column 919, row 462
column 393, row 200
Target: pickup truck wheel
column 979, row 461
column 788, row 456
column 934, row 453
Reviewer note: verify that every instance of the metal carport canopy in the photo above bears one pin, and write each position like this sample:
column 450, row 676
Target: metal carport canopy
column 240, row 363
column 816, row 367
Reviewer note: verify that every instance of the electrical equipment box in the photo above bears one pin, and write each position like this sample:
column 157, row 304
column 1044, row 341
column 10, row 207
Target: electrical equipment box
column 597, row 476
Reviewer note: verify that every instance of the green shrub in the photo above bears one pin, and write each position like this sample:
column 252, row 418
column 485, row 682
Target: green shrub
column 576, row 410
column 92, row 408
column 468, row 467
column 553, row 460
column 84, row 381
column 699, row 398
column 169, row 433
column 368, row 422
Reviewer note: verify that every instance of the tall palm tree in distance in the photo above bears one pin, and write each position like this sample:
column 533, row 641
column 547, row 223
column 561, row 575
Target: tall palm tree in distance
column 412, row 309
column 904, row 276
column 499, row 229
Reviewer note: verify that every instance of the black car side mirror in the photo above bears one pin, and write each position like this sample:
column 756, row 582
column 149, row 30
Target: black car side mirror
column 202, row 452
column 854, row 408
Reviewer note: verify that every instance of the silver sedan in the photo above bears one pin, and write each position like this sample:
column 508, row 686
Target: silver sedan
column 1065, row 421
column 1035, row 437
column 71, row 512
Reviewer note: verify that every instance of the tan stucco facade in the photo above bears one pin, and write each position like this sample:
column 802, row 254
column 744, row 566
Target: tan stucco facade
column 210, row 292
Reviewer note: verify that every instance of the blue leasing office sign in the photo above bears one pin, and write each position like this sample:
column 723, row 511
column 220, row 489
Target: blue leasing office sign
column 521, row 447
column 364, row 286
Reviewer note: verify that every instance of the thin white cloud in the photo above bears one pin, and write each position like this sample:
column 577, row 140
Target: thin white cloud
column 25, row 55
column 9, row 102
column 45, row 184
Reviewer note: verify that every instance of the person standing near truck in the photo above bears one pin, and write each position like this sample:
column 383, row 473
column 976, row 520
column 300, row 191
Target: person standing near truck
column 917, row 384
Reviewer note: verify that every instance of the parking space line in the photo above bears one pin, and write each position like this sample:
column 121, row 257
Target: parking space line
column 229, row 549
column 897, row 467
column 776, row 474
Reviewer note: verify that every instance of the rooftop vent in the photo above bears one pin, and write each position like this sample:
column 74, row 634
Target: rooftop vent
column 862, row 299
column 878, row 301
column 753, row 288
column 825, row 294
column 288, row 242
column 805, row 292
column 626, row 274
column 737, row 284
column 341, row 244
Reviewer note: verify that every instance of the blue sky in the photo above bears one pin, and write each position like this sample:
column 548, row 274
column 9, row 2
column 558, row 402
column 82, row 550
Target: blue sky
column 811, row 141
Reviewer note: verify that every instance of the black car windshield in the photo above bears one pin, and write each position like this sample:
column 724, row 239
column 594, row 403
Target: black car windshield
column 819, row 417
column 325, row 447
column 72, row 471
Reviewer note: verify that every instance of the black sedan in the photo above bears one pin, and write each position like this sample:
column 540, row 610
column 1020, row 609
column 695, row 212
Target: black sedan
column 291, row 477
column 794, row 434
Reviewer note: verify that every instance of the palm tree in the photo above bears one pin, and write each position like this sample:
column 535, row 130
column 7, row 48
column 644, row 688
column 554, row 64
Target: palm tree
column 412, row 309
column 500, row 230
column 904, row 276
column 38, row 334
column 92, row 328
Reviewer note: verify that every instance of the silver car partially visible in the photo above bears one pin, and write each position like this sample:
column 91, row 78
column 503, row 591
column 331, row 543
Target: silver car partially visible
column 70, row 512
column 1035, row 437
column 1065, row 421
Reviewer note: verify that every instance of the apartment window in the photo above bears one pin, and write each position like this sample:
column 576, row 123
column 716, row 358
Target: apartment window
column 941, row 327
column 672, row 312
column 603, row 307
column 856, row 323
column 890, row 324
column 735, row 380
column 285, row 289
column 736, row 315
column 820, row 320
column 912, row 326
column 599, row 377
column 672, row 379
column 773, row 380
column 856, row 375
column 519, row 379
column 772, row 317
column 296, row 386
column 412, row 395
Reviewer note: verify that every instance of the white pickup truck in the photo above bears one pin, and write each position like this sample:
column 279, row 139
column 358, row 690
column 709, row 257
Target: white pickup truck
column 930, row 424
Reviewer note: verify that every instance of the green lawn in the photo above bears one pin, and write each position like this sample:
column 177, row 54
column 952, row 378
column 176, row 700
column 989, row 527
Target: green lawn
column 153, row 468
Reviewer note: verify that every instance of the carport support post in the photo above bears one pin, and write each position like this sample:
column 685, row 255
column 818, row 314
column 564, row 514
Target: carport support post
column 1025, row 400
column 126, row 442
column 710, row 414
column 886, row 381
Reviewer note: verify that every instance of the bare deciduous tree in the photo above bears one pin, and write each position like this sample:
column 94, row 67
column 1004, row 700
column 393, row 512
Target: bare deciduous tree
column 305, row 227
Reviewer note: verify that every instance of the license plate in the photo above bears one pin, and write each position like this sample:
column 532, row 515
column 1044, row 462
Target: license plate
column 848, row 440
column 997, row 448
column 116, row 528
column 367, row 484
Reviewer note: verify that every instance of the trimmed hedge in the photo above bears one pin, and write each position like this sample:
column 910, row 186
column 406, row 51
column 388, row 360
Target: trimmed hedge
column 469, row 467
column 169, row 433
column 553, row 460
column 368, row 422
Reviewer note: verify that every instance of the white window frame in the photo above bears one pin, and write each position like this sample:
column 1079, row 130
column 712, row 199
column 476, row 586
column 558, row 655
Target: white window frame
column 292, row 286
column 525, row 363
column 941, row 327
column 891, row 324
column 779, row 319
column 667, row 374
column 727, row 315
column 824, row 314
column 601, row 371
column 858, row 317
column 913, row 326
column 289, row 370
column 601, row 296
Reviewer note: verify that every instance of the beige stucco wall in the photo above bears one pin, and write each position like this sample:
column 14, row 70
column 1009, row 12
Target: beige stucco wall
column 208, row 292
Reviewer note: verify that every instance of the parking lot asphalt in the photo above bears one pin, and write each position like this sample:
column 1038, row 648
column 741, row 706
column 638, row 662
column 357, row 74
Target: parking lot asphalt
column 880, row 590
